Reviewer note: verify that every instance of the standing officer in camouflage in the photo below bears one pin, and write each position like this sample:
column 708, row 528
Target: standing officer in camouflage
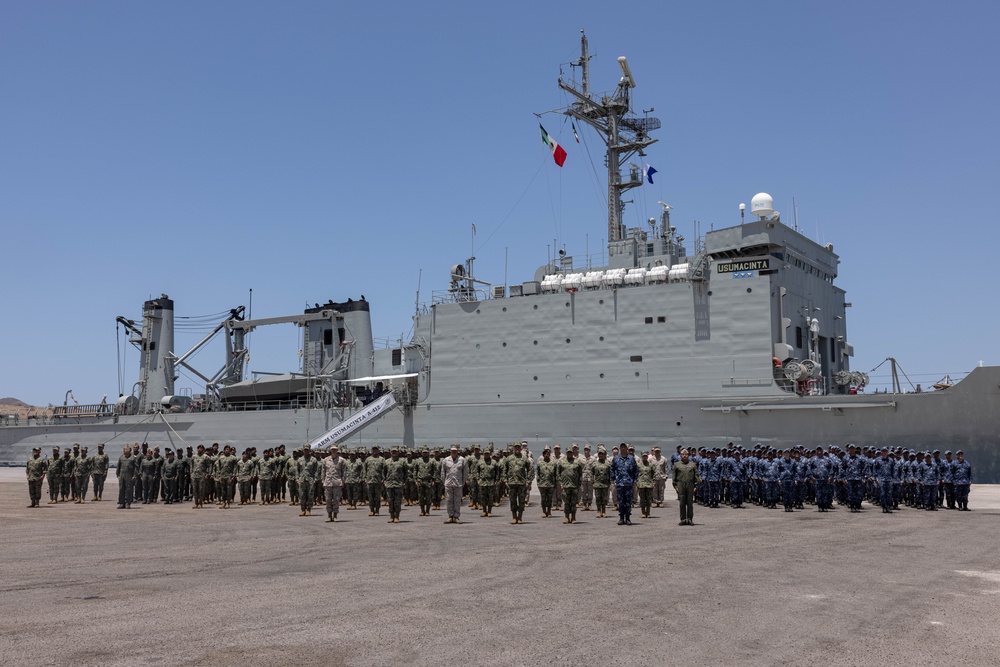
column 36, row 468
column 488, row 476
column 516, row 473
column 55, row 470
column 199, row 471
column 546, row 476
column 587, row 484
column 171, row 474
column 68, row 464
column 686, row 480
column 81, row 475
column 601, row 472
column 374, row 474
column 646, row 481
column 100, row 472
column 569, row 473
column 334, row 472
column 147, row 468
column 245, row 470
column 352, row 483
column 127, row 472
column 425, row 472
column 662, row 466
column 308, row 473
column 395, row 473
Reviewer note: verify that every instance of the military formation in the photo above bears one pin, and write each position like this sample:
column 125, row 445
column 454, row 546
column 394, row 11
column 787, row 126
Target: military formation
column 482, row 477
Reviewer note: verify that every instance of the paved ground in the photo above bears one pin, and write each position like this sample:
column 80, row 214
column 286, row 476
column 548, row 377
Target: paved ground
column 166, row 585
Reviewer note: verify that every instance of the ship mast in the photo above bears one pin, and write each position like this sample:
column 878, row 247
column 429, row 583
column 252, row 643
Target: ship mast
column 623, row 133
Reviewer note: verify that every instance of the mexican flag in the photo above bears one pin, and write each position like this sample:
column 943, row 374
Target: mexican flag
column 558, row 152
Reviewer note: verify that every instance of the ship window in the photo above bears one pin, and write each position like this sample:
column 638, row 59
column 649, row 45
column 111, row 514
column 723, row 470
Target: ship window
column 650, row 249
column 534, row 342
column 661, row 319
column 602, row 339
column 649, row 320
column 342, row 334
column 505, row 344
column 152, row 345
column 602, row 376
column 397, row 356
column 327, row 336
column 635, row 357
column 798, row 337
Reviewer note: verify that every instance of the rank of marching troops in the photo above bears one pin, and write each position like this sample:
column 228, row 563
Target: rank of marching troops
column 568, row 481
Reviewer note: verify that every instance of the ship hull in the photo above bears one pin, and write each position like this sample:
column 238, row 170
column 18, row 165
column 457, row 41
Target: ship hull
column 966, row 417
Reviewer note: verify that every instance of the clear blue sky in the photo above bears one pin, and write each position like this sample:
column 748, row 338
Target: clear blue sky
column 321, row 150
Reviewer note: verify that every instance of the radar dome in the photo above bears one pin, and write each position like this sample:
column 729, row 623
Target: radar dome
column 762, row 205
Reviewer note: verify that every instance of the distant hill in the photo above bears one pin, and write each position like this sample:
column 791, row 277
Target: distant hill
column 14, row 402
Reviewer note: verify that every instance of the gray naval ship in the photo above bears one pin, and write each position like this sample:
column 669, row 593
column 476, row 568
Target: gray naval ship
column 743, row 340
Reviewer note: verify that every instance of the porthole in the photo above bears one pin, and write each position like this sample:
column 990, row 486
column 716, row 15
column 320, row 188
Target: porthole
column 567, row 304
column 749, row 289
column 477, row 346
column 710, row 292
column 637, row 373
column 505, row 309
column 534, row 342
column 535, row 306
column 601, row 302
column 536, row 378
column 505, row 344
column 567, row 341
column 567, row 376
column 602, row 376
column 477, row 311
column 602, row 339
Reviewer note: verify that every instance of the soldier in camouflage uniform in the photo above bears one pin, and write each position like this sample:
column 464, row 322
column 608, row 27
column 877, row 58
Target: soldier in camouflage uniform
column 355, row 472
column 517, row 470
column 55, row 476
column 395, row 472
column 587, row 485
column 245, row 470
column 557, row 494
column 487, row 478
column 569, row 473
column 425, row 471
column 265, row 473
column 646, row 481
column 74, row 480
column 601, row 472
column 171, row 472
column 228, row 467
column 68, row 464
column 84, row 466
column 100, row 472
column 199, row 467
column 334, row 474
column 662, row 465
column 147, row 469
column 546, row 477
column 35, row 471
column 374, row 474
column 307, row 474
column 127, row 471
column 411, row 481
